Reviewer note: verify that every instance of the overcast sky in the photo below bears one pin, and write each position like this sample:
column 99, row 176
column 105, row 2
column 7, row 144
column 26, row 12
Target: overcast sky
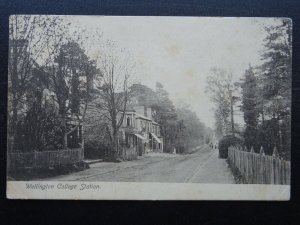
column 180, row 51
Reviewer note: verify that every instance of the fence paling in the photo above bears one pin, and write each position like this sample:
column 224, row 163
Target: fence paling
column 259, row 168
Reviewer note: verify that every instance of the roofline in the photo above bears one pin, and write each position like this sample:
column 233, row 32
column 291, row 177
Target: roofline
column 143, row 117
column 155, row 123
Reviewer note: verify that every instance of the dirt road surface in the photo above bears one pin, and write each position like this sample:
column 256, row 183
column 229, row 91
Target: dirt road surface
column 202, row 166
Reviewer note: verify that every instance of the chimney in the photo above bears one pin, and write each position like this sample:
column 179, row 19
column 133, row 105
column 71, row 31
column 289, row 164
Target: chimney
column 149, row 113
column 139, row 109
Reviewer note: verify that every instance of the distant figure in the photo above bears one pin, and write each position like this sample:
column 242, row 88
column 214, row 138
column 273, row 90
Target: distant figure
column 174, row 150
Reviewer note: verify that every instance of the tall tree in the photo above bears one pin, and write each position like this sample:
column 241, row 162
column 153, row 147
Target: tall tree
column 144, row 95
column 71, row 80
column 219, row 87
column 250, row 107
column 191, row 131
column 28, row 36
column 166, row 116
column 276, row 77
column 277, row 70
column 114, row 90
column 72, row 63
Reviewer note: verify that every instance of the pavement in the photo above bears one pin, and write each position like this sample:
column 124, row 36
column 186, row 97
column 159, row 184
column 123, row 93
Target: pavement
column 202, row 166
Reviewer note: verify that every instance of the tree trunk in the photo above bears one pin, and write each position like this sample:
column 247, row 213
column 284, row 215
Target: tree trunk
column 14, row 80
column 64, row 128
column 15, row 112
column 13, row 125
column 115, row 146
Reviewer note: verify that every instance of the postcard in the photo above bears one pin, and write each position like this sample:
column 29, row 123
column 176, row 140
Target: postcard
column 149, row 108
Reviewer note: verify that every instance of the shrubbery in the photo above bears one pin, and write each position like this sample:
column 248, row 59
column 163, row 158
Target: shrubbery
column 40, row 130
column 226, row 142
column 96, row 140
column 93, row 149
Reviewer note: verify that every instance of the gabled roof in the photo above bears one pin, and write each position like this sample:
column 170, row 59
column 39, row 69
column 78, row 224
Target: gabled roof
column 143, row 117
column 146, row 118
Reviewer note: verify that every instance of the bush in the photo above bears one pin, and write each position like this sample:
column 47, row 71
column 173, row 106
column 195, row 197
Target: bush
column 39, row 130
column 93, row 149
column 225, row 143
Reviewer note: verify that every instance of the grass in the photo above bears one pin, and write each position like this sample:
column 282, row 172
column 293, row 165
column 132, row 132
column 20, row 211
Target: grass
column 238, row 177
column 26, row 174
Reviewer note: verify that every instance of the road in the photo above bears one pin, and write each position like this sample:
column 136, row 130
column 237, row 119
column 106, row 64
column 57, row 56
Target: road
column 202, row 166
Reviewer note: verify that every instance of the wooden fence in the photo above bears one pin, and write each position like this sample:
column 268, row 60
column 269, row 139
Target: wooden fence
column 258, row 168
column 44, row 159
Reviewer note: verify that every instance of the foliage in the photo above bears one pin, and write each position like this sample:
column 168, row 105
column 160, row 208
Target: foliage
column 250, row 106
column 272, row 104
column 94, row 149
column 180, row 127
column 113, row 91
column 219, row 87
column 265, row 92
column 276, row 71
column 43, row 58
column 191, row 132
column 144, row 95
column 269, row 137
column 275, row 89
column 226, row 142
column 97, row 143
column 40, row 130
column 72, row 63
column 28, row 37
column 166, row 116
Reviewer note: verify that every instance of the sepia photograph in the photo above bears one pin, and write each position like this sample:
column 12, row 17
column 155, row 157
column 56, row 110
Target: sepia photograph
column 145, row 107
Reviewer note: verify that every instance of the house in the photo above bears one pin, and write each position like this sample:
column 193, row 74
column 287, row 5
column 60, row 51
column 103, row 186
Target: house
column 38, row 96
column 151, row 129
column 37, row 136
column 139, row 132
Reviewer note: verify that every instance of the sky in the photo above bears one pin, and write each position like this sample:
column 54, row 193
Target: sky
column 179, row 52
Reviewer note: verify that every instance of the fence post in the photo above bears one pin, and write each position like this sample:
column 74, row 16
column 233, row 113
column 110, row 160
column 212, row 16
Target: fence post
column 273, row 166
column 261, row 151
column 261, row 165
column 252, row 168
column 272, row 171
column 260, row 168
column 275, row 152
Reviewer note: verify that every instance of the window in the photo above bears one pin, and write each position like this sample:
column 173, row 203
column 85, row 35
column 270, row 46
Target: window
column 128, row 121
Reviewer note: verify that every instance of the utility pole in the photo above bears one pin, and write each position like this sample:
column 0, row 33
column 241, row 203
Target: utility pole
column 231, row 111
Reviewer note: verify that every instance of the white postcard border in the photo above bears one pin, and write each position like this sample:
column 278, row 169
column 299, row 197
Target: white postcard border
column 144, row 191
